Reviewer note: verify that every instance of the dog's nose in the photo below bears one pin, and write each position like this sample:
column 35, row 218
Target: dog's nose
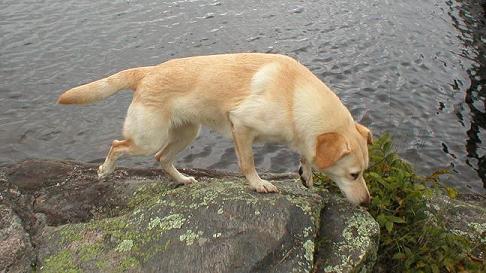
column 366, row 202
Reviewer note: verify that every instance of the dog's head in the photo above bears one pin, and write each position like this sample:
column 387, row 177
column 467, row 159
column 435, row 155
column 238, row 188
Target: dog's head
column 344, row 158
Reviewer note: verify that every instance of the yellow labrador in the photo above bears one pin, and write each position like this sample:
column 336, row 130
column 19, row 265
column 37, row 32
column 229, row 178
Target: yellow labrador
column 248, row 97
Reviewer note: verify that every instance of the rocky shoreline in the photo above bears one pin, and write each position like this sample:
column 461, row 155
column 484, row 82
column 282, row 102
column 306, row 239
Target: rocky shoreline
column 56, row 216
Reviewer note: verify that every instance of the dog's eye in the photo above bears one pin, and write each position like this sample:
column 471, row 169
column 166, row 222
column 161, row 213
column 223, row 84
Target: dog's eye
column 355, row 175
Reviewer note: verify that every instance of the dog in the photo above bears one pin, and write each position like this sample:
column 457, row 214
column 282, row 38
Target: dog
column 246, row 96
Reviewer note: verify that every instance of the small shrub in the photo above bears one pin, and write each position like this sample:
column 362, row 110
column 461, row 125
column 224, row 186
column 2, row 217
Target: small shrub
column 412, row 239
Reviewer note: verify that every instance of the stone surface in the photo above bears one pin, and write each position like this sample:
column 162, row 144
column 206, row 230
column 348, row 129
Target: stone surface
column 348, row 238
column 462, row 218
column 215, row 226
column 139, row 221
column 16, row 254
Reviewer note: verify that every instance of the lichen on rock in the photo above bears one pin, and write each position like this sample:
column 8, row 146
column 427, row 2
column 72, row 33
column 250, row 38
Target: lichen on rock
column 124, row 246
column 190, row 236
column 348, row 239
column 169, row 222
column 147, row 223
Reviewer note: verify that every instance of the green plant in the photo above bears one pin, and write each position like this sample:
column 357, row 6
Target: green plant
column 412, row 238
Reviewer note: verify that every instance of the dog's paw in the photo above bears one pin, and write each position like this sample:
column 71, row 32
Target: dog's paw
column 302, row 179
column 104, row 171
column 306, row 177
column 264, row 186
column 187, row 180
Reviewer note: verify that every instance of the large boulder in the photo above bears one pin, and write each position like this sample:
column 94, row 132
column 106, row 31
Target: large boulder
column 139, row 221
column 215, row 226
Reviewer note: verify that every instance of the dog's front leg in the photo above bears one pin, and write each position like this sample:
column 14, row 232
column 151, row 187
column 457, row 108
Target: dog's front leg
column 243, row 139
column 305, row 172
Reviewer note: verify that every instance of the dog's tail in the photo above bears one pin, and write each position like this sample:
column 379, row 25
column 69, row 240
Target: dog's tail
column 101, row 89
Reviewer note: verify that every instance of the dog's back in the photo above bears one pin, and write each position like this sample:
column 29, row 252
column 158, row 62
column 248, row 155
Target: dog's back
column 207, row 89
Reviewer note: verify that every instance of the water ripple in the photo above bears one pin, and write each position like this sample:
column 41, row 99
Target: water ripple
column 412, row 68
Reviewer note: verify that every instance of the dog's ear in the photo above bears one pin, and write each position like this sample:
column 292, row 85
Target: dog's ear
column 330, row 148
column 365, row 132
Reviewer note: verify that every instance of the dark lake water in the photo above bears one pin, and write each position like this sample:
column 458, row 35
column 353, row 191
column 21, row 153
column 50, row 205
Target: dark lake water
column 413, row 68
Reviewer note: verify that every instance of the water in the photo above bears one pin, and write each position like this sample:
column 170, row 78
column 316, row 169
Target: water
column 413, row 68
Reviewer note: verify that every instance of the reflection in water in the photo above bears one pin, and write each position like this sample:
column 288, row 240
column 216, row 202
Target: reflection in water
column 473, row 15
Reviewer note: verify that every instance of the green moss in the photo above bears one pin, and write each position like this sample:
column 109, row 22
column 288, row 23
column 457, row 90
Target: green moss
column 61, row 262
column 89, row 252
column 149, row 194
column 102, row 265
column 126, row 264
column 153, row 249
column 203, row 196
column 109, row 225
column 124, row 246
column 70, row 235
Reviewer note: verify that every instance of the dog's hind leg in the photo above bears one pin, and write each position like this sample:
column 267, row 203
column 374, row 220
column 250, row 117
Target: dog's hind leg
column 145, row 131
column 179, row 138
column 116, row 150
column 119, row 148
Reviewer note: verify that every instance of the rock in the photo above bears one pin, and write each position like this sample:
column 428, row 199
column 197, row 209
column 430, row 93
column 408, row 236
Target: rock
column 32, row 175
column 139, row 221
column 16, row 254
column 70, row 192
column 215, row 226
column 462, row 218
column 348, row 238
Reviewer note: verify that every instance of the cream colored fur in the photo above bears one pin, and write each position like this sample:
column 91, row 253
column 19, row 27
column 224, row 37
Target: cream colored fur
column 248, row 97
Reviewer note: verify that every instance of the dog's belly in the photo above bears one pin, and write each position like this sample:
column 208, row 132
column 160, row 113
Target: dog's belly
column 265, row 127
column 205, row 115
column 271, row 139
column 223, row 127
